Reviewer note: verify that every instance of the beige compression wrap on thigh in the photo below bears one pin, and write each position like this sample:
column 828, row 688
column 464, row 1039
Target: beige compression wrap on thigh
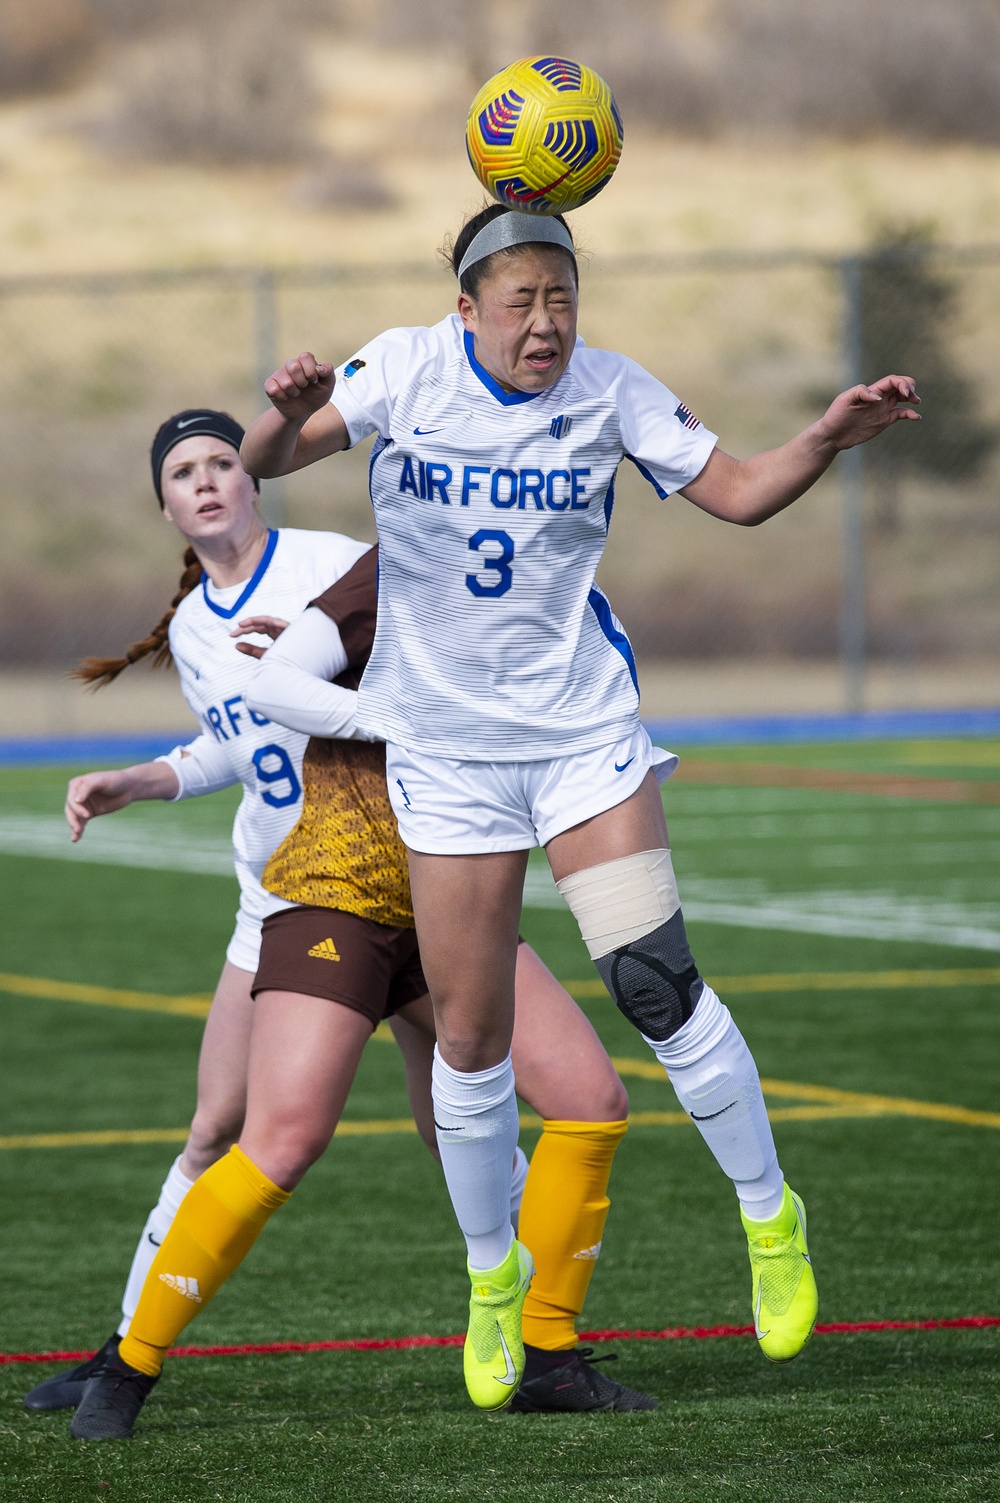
column 620, row 901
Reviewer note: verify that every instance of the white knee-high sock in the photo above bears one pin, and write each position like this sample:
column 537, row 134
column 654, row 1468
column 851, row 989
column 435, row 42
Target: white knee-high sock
column 716, row 1081
column 517, row 1185
column 475, row 1114
column 175, row 1187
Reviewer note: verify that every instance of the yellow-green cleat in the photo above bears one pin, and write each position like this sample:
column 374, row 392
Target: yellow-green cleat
column 785, row 1302
column 494, row 1351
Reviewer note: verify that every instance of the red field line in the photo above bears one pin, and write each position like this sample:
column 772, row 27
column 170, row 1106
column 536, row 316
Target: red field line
column 407, row 1343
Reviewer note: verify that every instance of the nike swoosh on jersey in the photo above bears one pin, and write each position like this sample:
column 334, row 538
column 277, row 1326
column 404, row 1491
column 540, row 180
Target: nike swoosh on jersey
column 422, row 432
column 510, row 1376
column 624, row 765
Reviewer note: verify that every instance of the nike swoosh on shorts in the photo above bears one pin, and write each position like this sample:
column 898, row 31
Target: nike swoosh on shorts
column 624, row 765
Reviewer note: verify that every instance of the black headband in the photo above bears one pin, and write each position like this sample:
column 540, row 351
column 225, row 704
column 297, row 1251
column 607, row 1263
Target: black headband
column 193, row 422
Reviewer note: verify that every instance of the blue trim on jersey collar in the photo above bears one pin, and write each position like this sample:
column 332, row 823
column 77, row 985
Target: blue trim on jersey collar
column 508, row 398
column 252, row 582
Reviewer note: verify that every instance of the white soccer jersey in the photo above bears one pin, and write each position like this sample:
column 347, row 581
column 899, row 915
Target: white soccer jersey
column 264, row 756
column 493, row 641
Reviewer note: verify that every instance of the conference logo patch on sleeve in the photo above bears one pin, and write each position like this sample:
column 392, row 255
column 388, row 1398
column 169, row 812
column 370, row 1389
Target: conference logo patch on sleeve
column 686, row 416
column 353, row 366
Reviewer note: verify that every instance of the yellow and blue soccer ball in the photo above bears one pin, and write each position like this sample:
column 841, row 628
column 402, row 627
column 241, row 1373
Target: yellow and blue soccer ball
column 544, row 135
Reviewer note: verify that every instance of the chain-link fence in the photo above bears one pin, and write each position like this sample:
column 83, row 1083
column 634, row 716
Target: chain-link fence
column 893, row 555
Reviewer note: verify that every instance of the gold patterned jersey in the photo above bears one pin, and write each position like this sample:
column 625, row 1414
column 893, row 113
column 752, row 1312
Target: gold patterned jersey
column 345, row 851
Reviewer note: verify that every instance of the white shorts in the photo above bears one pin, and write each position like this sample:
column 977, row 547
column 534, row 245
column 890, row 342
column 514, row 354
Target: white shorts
column 243, row 950
column 256, row 903
column 447, row 807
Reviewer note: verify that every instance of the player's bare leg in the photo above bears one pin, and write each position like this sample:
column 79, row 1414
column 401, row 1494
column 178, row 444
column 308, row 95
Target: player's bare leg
column 303, row 1058
column 217, row 1123
column 222, row 1073
column 467, row 910
column 618, row 879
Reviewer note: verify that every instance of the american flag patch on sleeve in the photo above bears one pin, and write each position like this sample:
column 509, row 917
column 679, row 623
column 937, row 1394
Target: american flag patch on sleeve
column 687, row 417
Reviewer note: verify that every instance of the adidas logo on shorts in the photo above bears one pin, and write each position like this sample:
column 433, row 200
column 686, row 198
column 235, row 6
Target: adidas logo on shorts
column 325, row 950
column 187, row 1287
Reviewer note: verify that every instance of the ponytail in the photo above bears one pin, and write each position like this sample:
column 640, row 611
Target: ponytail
column 100, row 671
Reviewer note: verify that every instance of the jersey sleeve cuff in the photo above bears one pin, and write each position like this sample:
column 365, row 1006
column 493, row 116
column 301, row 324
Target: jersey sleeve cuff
column 173, row 760
column 357, row 420
column 701, row 452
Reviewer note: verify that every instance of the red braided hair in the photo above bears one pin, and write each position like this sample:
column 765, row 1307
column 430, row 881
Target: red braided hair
column 100, row 671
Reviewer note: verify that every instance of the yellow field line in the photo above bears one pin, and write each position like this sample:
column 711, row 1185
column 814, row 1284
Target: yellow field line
column 846, row 1103
column 886, row 1106
column 839, row 1105
column 94, row 1139
column 194, row 1006
column 826, row 981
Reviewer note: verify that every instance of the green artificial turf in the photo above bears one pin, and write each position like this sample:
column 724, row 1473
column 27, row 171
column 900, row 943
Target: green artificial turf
column 903, row 1210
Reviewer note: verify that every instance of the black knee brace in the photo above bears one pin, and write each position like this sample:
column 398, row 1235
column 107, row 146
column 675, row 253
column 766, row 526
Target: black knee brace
column 654, row 980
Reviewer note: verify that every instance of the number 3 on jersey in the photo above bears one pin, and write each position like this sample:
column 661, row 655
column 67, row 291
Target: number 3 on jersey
column 283, row 772
column 500, row 563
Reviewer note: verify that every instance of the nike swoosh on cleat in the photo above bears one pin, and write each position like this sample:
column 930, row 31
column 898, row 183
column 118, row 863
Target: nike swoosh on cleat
column 510, row 1376
column 422, row 432
column 711, row 1115
column 756, row 1317
column 624, row 765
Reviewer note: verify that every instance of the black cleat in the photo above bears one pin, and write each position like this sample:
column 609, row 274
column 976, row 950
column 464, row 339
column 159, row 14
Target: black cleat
column 573, row 1385
column 111, row 1402
column 65, row 1390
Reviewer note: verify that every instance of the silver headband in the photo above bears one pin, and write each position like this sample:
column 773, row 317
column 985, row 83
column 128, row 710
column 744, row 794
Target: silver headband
column 515, row 228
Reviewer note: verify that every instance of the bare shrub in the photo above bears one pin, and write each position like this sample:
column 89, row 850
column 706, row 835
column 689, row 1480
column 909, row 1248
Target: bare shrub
column 340, row 184
column 42, row 43
column 233, row 91
column 124, row 19
column 918, row 68
column 909, row 66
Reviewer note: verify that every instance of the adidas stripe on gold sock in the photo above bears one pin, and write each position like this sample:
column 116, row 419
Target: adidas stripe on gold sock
column 563, row 1212
column 218, row 1222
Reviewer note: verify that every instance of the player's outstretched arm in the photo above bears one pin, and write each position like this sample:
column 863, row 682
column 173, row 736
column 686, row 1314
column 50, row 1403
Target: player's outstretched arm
column 103, row 792
column 301, row 426
column 748, row 491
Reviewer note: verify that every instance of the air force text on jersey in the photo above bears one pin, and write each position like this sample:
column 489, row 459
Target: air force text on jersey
column 506, row 489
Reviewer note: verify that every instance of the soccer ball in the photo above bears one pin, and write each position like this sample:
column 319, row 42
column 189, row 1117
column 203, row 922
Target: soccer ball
column 544, row 135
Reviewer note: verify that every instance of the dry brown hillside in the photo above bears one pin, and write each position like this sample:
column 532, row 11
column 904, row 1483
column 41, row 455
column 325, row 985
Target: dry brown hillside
column 350, row 154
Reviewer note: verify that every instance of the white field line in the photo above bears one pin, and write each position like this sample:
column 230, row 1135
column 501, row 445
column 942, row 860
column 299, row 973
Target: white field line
column 118, row 843
column 858, row 915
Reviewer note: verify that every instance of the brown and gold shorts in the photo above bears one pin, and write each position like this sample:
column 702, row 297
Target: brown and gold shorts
column 322, row 952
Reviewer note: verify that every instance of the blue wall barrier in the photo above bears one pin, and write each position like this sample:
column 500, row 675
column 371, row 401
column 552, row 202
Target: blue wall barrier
column 711, row 730
column 87, row 752
column 776, row 730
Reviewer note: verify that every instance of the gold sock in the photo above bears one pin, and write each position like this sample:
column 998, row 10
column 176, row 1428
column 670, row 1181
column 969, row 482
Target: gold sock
column 218, row 1222
column 563, row 1211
